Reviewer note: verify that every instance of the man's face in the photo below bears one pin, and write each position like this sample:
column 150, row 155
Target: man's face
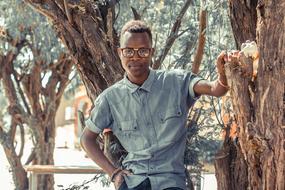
column 135, row 54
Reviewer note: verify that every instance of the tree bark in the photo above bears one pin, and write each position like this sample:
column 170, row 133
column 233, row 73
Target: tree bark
column 243, row 18
column 19, row 174
column 90, row 38
column 230, row 166
column 44, row 152
column 260, row 110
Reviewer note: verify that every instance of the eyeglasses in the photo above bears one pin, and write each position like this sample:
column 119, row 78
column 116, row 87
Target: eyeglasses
column 130, row 52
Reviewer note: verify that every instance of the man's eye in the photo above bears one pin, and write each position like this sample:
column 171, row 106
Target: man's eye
column 143, row 51
column 128, row 51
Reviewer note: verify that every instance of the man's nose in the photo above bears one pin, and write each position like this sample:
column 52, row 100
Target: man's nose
column 136, row 55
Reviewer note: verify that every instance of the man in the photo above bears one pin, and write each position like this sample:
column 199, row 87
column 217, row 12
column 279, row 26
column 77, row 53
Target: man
column 147, row 111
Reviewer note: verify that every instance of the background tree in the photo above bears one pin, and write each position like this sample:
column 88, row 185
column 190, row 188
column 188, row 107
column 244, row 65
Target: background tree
column 258, row 159
column 34, row 71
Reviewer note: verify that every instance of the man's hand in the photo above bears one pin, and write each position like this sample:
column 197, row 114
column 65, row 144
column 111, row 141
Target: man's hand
column 119, row 178
column 220, row 63
column 224, row 57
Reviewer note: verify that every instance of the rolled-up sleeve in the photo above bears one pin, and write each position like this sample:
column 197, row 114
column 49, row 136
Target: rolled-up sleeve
column 100, row 117
column 194, row 80
column 188, row 80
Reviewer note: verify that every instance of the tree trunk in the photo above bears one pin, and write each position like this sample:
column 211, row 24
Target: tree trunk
column 92, row 41
column 243, row 18
column 230, row 166
column 44, row 153
column 260, row 109
column 19, row 174
column 268, row 105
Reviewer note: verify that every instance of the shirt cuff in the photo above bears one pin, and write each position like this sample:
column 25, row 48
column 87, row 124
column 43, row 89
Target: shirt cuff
column 191, row 87
column 91, row 126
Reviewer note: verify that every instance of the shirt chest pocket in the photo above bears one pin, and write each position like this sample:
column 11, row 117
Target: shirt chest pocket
column 171, row 122
column 130, row 135
column 170, row 114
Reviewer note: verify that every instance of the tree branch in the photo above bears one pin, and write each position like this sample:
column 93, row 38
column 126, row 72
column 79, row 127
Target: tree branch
column 39, row 7
column 31, row 157
column 22, row 131
column 172, row 37
column 137, row 16
column 21, row 93
column 67, row 12
column 64, row 80
column 201, row 42
column 3, row 137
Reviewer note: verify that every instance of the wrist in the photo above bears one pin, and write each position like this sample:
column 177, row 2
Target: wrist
column 222, row 77
column 222, row 73
column 223, row 84
column 114, row 174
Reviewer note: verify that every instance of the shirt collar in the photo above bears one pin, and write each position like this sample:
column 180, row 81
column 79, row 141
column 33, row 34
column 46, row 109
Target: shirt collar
column 145, row 86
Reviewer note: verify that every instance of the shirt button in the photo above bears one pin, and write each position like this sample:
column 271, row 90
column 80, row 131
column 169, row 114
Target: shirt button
column 148, row 123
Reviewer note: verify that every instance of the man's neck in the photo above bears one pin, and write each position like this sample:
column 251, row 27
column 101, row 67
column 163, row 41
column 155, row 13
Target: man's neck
column 139, row 80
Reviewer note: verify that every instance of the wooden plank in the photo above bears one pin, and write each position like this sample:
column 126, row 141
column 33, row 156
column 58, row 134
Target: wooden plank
column 33, row 181
column 51, row 169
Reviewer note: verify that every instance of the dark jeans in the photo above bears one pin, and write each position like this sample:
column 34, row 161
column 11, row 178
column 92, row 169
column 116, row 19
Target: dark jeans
column 145, row 185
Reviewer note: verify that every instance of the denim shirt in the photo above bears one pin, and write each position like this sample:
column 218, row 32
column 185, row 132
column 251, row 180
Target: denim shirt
column 149, row 121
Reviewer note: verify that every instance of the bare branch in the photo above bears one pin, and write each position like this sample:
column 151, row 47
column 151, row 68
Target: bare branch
column 109, row 25
column 186, row 30
column 22, row 140
column 40, row 8
column 31, row 157
column 137, row 16
column 64, row 80
column 13, row 127
column 67, row 11
column 201, row 42
column 20, row 90
column 3, row 136
column 32, row 86
column 8, row 85
column 172, row 37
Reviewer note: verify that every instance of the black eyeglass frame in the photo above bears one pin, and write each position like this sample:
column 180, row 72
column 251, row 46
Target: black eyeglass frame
column 136, row 50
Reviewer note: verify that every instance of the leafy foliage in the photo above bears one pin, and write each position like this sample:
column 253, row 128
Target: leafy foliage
column 21, row 20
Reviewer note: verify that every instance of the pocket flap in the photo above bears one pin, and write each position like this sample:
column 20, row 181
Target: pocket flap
column 129, row 125
column 170, row 113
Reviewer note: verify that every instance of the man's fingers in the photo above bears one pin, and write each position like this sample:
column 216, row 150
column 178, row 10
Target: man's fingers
column 127, row 172
column 235, row 52
column 222, row 57
column 233, row 56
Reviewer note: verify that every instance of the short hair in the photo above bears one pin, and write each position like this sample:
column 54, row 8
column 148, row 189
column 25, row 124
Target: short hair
column 136, row 26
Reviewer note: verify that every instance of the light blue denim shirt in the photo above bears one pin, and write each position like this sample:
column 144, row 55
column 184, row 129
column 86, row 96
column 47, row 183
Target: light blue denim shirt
column 149, row 121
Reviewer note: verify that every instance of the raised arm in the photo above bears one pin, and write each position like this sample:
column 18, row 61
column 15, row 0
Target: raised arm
column 214, row 88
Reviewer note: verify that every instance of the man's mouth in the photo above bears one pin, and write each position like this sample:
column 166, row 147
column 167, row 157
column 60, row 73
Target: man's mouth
column 134, row 65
